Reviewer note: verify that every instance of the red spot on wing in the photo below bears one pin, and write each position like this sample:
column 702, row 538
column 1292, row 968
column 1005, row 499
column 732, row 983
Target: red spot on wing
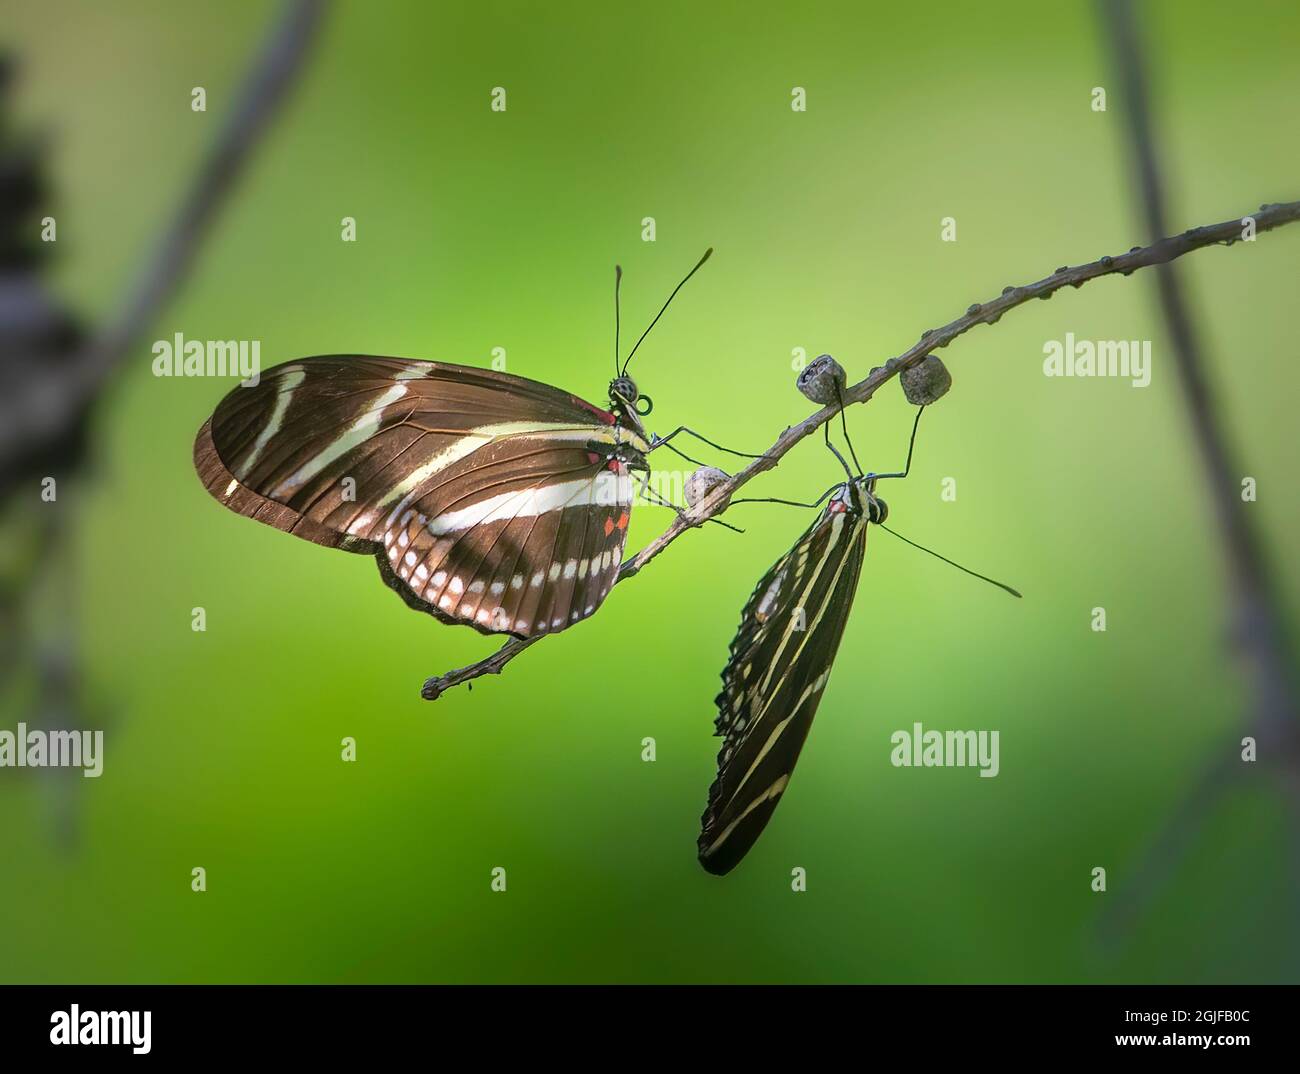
column 604, row 415
column 623, row 520
column 609, row 526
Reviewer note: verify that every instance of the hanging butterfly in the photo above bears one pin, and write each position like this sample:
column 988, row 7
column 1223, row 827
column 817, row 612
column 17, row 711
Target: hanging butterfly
column 487, row 499
column 781, row 659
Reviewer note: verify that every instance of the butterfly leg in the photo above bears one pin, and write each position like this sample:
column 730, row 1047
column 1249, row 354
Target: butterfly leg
column 676, row 451
column 659, row 441
column 790, row 503
column 844, row 424
column 650, row 494
column 907, row 468
column 834, row 451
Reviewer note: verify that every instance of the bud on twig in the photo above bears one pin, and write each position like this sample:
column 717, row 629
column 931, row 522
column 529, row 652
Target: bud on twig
column 703, row 482
column 926, row 382
column 822, row 380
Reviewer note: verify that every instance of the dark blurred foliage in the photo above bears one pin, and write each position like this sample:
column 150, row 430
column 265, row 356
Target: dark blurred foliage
column 53, row 370
column 39, row 337
column 40, row 340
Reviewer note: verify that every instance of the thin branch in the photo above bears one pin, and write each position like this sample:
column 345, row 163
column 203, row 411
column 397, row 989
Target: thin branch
column 1258, row 630
column 1158, row 253
column 435, row 687
column 58, row 399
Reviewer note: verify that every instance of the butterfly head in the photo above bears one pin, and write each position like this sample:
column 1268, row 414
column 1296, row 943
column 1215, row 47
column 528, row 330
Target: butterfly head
column 622, row 389
column 873, row 506
column 626, row 400
column 859, row 498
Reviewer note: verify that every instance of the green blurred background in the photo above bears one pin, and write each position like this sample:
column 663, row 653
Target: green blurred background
column 479, row 230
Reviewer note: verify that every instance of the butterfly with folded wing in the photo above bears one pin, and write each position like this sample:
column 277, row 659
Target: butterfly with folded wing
column 781, row 659
column 487, row 499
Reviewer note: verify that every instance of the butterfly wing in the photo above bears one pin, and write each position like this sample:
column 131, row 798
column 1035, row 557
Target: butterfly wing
column 780, row 661
column 520, row 537
column 466, row 484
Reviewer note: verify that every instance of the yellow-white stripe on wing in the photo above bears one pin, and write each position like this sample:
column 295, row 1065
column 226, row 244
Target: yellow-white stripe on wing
column 780, row 663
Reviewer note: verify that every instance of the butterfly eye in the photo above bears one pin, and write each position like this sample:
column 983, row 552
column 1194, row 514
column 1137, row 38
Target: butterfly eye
column 648, row 406
column 879, row 511
column 623, row 388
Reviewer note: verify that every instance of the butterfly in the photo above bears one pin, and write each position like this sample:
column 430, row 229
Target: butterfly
column 487, row 499
column 780, row 663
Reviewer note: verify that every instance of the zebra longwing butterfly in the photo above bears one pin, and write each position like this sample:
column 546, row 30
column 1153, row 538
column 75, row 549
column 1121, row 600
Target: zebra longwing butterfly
column 780, row 662
column 486, row 498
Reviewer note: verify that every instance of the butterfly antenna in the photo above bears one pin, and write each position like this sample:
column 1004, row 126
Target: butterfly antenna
column 707, row 254
column 974, row 574
column 618, row 283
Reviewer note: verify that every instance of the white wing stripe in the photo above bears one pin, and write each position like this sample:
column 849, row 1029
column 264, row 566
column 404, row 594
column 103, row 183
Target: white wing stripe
column 812, row 688
column 837, row 526
column 777, row 788
column 356, row 434
column 475, row 439
column 411, row 486
column 292, row 378
column 604, row 489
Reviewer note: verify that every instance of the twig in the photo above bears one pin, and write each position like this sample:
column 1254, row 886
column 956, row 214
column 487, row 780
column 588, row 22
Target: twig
column 1259, row 631
column 59, row 397
column 1158, row 253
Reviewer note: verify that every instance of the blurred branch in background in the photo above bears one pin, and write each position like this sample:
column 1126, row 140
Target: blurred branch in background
column 53, row 370
column 1257, row 633
column 1159, row 253
column 45, row 402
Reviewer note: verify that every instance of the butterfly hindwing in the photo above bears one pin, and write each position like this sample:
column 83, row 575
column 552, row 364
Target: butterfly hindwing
column 536, row 553
column 780, row 661
column 478, row 478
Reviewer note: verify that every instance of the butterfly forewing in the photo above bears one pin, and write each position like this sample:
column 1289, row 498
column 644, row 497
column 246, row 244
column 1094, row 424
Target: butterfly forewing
column 488, row 499
column 780, row 661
